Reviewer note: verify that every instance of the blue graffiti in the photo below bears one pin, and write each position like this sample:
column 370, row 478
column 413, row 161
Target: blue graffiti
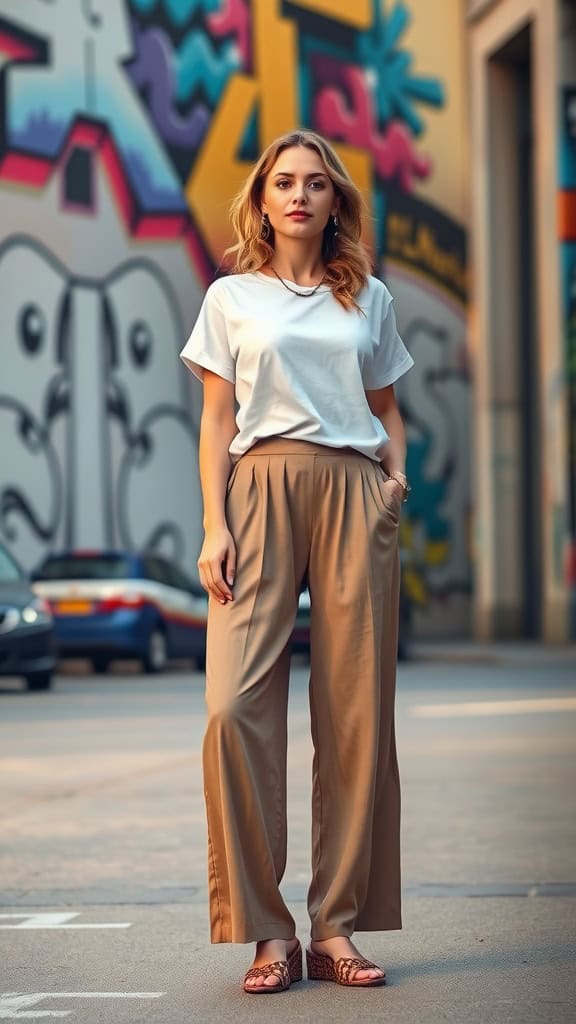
column 86, row 78
column 179, row 11
column 153, row 73
column 427, row 494
column 396, row 89
column 198, row 64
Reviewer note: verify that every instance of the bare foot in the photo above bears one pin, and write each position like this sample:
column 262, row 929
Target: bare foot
column 266, row 953
column 342, row 946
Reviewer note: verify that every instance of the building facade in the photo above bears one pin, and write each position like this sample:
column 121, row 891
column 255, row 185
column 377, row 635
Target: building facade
column 522, row 58
column 125, row 128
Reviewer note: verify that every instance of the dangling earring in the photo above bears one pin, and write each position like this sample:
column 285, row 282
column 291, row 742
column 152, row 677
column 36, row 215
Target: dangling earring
column 335, row 224
column 265, row 229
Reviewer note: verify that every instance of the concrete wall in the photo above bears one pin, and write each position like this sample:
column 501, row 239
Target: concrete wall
column 125, row 128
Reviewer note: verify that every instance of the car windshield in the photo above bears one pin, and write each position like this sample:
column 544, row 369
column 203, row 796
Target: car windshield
column 9, row 571
column 85, row 567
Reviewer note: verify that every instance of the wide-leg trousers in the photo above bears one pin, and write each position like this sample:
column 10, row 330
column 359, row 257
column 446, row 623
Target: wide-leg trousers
column 297, row 509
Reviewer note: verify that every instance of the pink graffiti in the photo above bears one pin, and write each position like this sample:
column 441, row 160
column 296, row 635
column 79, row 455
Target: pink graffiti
column 14, row 49
column 36, row 172
column 355, row 122
column 233, row 19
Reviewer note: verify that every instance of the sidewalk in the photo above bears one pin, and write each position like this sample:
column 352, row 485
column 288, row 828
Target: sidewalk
column 510, row 653
column 102, row 791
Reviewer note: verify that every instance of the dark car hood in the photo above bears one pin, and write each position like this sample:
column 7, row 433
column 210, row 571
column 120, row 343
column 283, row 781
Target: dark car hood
column 17, row 594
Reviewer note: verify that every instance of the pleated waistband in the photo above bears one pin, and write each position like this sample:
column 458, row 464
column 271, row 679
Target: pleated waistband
column 295, row 446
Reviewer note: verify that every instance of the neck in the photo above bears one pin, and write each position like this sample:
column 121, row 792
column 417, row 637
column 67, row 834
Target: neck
column 298, row 262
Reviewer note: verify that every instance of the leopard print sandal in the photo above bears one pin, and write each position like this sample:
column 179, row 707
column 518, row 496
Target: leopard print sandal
column 322, row 967
column 286, row 970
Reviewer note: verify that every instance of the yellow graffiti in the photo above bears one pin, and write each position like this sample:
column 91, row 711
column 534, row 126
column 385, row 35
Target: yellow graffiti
column 359, row 165
column 357, row 14
column 219, row 173
column 414, row 571
column 417, row 244
column 415, row 586
column 274, row 41
column 437, row 552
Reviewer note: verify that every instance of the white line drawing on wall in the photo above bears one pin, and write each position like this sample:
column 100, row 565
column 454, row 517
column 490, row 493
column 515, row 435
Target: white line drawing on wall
column 94, row 409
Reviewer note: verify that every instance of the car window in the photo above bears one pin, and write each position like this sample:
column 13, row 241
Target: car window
column 9, row 570
column 85, row 567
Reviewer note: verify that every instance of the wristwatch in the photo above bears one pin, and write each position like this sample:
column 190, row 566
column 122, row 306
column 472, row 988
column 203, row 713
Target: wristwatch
column 401, row 479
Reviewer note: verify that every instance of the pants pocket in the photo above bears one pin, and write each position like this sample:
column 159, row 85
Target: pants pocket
column 232, row 477
column 391, row 504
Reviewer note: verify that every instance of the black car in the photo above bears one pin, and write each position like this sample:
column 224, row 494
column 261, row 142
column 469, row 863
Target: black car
column 26, row 628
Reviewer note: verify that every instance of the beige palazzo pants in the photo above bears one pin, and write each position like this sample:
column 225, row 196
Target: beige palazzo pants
column 297, row 508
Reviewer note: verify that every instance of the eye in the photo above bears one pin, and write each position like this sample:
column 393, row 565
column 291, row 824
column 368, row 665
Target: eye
column 283, row 182
column 317, row 185
column 32, row 328
column 140, row 344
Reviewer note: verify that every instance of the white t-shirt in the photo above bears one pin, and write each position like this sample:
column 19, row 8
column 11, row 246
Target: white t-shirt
column 299, row 365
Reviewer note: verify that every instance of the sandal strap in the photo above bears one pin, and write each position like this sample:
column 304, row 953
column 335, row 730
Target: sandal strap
column 277, row 967
column 347, row 965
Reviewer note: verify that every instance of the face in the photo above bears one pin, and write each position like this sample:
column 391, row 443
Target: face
column 298, row 194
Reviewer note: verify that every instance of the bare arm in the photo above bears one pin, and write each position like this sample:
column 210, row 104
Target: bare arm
column 217, row 428
column 382, row 402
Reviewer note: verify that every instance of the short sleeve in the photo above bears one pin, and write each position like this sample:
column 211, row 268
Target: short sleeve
column 390, row 358
column 207, row 347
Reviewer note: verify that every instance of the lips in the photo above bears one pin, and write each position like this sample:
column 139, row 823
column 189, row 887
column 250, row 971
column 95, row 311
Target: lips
column 300, row 215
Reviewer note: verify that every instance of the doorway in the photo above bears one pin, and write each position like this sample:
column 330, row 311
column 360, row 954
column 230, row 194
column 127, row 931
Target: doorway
column 515, row 412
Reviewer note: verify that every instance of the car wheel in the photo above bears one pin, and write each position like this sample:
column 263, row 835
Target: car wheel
column 156, row 653
column 39, row 680
column 100, row 665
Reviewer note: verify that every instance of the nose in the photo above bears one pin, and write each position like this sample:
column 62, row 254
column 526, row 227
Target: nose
column 300, row 199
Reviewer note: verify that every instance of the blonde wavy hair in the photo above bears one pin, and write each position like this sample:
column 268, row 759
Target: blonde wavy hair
column 345, row 258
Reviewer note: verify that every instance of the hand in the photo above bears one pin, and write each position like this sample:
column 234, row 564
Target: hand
column 396, row 488
column 218, row 552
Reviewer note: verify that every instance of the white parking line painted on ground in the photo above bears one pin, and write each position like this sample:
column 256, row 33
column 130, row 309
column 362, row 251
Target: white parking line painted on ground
column 475, row 709
column 16, row 1004
column 35, row 921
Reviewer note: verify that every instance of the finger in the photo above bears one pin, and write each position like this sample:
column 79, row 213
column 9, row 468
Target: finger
column 202, row 577
column 394, row 487
column 231, row 565
column 212, row 589
column 220, row 588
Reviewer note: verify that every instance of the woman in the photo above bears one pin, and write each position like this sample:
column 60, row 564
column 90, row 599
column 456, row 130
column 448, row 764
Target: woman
column 303, row 482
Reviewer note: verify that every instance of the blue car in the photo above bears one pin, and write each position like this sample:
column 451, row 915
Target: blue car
column 118, row 604
column 26, row 628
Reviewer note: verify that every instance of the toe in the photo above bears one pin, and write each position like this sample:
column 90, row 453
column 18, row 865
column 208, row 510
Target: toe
column 372, row 973
column 261, row 980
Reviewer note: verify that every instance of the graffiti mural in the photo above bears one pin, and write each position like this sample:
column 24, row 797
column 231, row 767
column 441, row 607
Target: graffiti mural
column 125, row 129
column 425, row 265
column 567, row 226
column 100, row 272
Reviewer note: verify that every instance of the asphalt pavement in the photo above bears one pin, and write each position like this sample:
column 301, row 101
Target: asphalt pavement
column 103, row 895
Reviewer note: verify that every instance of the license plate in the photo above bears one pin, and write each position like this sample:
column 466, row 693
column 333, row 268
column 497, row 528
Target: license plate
column 74, row 608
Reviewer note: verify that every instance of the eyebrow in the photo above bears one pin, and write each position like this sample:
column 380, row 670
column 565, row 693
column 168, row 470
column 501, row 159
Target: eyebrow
column 289, row 174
